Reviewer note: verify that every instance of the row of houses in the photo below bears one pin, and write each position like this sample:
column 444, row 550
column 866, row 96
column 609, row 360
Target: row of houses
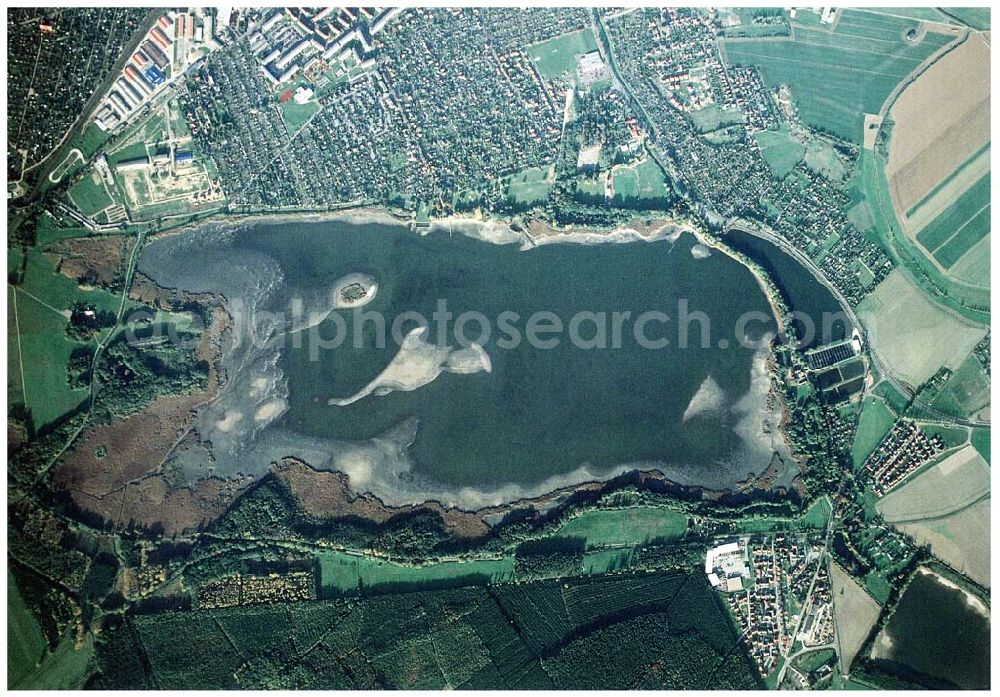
column 165, row 52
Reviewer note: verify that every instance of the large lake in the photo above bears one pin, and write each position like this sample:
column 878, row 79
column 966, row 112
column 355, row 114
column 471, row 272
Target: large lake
column 817, row 316
column 540, row 417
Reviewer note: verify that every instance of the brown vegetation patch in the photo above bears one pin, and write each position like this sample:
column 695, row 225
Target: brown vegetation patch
column 96, row 261
column 327, row 495
column 114, row 470
column 151, row 502
column 941, row 119
column 855, row 613
column 109, row 456
column 146, row 291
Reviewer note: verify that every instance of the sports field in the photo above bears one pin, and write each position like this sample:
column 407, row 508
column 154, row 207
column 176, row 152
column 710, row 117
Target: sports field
column 557, row 56
column 639, row 183
column 836, row 78
column 912, row 334
column 780, row 151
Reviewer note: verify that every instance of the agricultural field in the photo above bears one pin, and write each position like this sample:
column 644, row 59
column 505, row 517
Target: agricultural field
column 966, row 392
column 914, row 349
column 40, row 307
column 537, row 635
column 954, row 483
column 975, row 17
column 626, row 526
column 960, row 227
column 25, row 643
column 861, row 62
column 940, row 120
column 875, row 422
column 780, row 150
column 556, row 57
column 870, row 186
column 855, row 613
column 958, row 539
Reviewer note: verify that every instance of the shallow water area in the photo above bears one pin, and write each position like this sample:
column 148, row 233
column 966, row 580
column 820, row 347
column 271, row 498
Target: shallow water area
column 467, row 415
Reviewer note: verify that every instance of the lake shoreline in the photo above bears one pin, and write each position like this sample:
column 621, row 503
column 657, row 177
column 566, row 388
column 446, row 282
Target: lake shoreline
column 502, row 232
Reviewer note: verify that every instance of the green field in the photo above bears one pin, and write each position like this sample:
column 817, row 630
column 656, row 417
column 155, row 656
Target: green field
column 814, row 659
column 589, row 191
column 975, row 17
column 960, row 226
column 530, row 187
column 836, row 78
column 25, row 643
column 822, row 158
column 966, row 392
column 980, row 440
column 42, row 298
column 892, row 397
column 875, row 422
column 713, row 117
column 66, row 668
column 90, row 141
column 347, row 573
column 780, row 151
column 603, row 561
column 640, row 184
column 295, row 115
column 815, row 518
column 626, row 526
column 953, row 436
column 48, row 230
column 557, row 56
column 913, row 335
column 89, row 195
column 879, row 588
